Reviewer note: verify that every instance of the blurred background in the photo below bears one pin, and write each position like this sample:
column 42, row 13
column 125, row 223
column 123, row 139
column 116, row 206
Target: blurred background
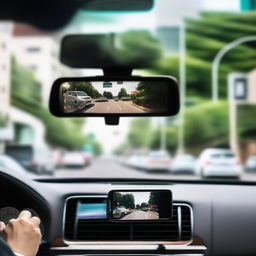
column 214, row 134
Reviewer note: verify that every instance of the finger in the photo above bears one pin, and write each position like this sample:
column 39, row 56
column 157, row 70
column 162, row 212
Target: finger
column 38, row 231
column 2, row 226
column 35, row 220
column 26, row 215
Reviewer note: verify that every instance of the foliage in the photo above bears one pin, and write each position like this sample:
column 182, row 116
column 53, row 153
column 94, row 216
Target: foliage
column 206, row 124
column 108, row 95
column 151, row 95
column 139, row 135
column 246, row 122
column 205, row 36
column 59, row 132
column 126, row 200
column 122, row 93
column 31, row 92
column 154, row 198
column 85, row 87
column 138, row 48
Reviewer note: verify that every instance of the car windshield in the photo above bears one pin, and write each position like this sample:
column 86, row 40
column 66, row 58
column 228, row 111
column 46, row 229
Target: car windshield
column 207, row 45
column 81, row 94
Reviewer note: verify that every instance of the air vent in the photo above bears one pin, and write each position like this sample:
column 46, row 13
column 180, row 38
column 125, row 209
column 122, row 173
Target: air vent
column 178, row 229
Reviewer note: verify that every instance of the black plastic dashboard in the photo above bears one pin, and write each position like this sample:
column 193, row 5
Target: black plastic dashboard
column 224, row 216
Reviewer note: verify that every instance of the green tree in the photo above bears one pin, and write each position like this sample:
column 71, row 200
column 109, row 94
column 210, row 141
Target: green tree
column 205, row 36
column 149, row 95
column 86, row 87
column 108, row 95
column 26, row 95
column 154, row 198
column 122, row 93
column 117, row 199
column 24, row 86
column 128, row 201
column 139, row 135
column 138, row 48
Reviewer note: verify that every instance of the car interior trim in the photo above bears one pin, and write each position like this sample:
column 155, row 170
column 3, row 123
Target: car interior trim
column 112, row 243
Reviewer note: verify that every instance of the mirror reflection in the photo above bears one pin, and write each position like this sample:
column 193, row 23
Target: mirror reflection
column 114, row 97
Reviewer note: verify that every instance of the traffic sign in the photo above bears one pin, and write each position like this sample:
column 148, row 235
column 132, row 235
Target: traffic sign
column 107, row 85
column 87, row 148
column 238, row 87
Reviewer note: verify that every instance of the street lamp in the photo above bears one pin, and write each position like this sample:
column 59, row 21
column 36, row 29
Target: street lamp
column 217, row 60
column 182, row 78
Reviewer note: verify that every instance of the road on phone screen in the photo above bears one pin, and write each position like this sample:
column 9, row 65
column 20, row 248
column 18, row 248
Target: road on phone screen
column 113, row 106
column 140, row 215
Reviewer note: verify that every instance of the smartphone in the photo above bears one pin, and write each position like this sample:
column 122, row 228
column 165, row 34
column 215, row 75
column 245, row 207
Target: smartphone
column 139, row 205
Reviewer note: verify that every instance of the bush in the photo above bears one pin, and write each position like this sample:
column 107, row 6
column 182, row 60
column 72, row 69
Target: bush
column 140, row 101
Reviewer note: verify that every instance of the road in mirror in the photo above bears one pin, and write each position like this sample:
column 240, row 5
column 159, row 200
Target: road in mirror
column 115, row 97
column 142, row 205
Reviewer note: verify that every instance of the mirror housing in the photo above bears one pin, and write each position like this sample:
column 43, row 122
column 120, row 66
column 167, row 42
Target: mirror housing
column 114, row 97
column 118, row 5
column 108, row 51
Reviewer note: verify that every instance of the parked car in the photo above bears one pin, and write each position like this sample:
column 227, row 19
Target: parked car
column 159, row 160
column 73, row 104
column 58, row 158
column 184, row 163
column 250, row 164
column 101, row 99
column 74, row 159
column 136, row 160
column 38, row 159
column 120, row 211
column 88, row 157
column 124, row 210
column 81, row 95
column 9, row 163
column 218, row 162
column 125, row 98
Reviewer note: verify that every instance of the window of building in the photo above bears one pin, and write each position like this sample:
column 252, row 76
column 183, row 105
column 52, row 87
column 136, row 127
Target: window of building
column 33, row 49
column 3, row 46
column 33, row 68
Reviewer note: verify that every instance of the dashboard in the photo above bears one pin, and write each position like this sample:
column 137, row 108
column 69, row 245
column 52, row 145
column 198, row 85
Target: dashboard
column 211, row 219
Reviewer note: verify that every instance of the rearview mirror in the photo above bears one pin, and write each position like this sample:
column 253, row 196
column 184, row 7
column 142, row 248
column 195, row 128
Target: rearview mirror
column 113, row 96
column 118, row 5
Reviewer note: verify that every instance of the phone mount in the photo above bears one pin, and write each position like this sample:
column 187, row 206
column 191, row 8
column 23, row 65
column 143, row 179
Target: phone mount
column 115, row 71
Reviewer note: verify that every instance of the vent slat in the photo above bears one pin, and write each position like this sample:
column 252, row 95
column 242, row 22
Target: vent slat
column 103, row 230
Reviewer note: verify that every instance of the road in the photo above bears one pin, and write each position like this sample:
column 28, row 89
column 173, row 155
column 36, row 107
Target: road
column 113, row 106
column 140, row 215
column 112, row 168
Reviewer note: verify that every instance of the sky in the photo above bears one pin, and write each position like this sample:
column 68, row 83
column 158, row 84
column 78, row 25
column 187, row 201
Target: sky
column 221, row 5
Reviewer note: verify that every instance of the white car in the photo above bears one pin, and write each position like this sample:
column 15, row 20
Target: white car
column 184, row 163
column 81, row 96
column 251, row 164
column 136, row 161
column 218, row 162
column 158, row 160
column 74, row 159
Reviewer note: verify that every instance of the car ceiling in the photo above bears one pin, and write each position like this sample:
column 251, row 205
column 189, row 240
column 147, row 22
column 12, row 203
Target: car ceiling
column 45, row 15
